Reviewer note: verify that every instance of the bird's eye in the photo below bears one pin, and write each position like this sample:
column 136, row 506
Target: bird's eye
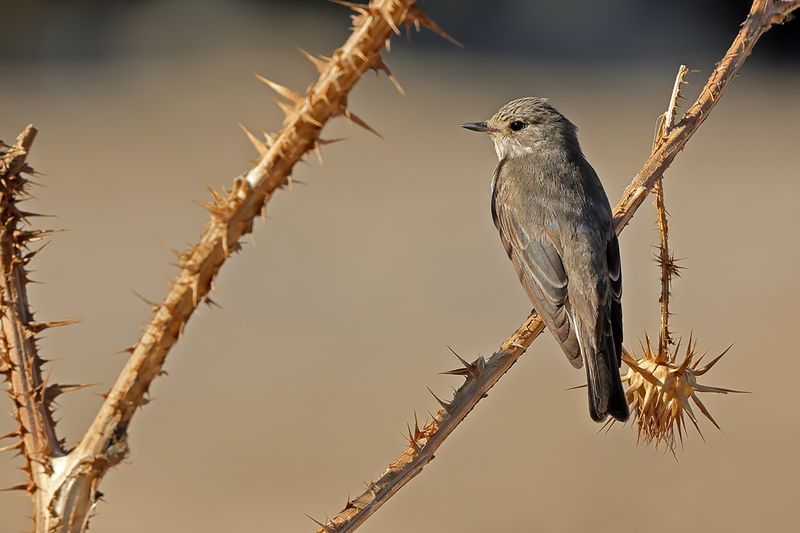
column 517, row 125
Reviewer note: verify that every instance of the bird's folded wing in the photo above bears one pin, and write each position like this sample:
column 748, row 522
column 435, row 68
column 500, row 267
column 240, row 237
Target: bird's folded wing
column 539, row 267
column 615, row 294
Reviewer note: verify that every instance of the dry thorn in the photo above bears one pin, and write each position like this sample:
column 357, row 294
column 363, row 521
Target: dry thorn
column 379, row 66
column 27, row 487
column 318, row 153
column 153, row 305
column 418, row 19
column 281, row 90
column 319, row 64
column 289, row 111
column 56, row 390
column 38, row 327
column 446, row 406
column 468, row 370
column 325, row 527
column 355, row 119
column 361, row 9
column 260, row 146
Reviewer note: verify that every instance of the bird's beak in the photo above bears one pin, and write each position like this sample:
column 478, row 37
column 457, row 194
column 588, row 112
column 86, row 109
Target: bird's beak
column 481, row 127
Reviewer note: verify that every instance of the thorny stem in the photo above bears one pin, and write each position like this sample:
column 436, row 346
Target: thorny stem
column 664, row 258
column 481, row 375
column 35, row 435
column 32, row 395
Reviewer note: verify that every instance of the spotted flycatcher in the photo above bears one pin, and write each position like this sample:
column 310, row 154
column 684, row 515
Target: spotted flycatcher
column 555, row 223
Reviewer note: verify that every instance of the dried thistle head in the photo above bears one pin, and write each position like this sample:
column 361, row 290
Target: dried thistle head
column 659, row 390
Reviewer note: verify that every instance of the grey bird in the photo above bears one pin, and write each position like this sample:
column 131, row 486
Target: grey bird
column 556, row 226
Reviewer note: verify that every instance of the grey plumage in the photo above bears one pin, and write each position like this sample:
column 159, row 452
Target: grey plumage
column 555, row 224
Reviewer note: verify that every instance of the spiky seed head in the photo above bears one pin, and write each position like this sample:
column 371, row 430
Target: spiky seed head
column 659, row 390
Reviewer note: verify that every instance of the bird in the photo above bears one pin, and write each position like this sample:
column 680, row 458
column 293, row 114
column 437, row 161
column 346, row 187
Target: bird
column 556, row 226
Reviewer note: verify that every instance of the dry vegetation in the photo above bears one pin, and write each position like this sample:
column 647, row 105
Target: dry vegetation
column 64, row 482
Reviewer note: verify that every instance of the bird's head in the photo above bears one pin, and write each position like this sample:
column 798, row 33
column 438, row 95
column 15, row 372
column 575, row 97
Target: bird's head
column 524, row 125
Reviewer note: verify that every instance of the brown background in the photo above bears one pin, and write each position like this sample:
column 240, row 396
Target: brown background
column 337, row 314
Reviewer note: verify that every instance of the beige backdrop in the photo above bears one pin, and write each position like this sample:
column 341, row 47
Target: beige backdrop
column 338, row 315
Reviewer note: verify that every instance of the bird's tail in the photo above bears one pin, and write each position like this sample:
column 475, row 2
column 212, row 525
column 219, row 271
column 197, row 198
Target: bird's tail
column 606, row 395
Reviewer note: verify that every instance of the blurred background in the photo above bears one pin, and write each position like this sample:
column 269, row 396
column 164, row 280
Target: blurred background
column 337, row 314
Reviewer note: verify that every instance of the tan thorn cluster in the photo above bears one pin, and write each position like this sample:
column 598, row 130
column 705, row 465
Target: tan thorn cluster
column 661, row 390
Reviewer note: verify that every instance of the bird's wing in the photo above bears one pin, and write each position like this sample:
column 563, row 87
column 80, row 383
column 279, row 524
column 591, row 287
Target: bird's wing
column 598, row 319
column 615, row 294
column 538, row 264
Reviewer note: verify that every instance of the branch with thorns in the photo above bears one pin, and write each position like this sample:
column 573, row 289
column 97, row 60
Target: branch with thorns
column 32, row 394
column 667, row 262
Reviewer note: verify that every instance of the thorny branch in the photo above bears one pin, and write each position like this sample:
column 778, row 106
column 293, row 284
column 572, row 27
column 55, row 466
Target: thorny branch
column 668, row 268
column 35, row 436
column 482, row 374
column 665, row 259
column 31, row 393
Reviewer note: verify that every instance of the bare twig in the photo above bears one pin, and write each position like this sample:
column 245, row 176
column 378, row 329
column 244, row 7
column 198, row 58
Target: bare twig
column 482, row 374
column 67, row 491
